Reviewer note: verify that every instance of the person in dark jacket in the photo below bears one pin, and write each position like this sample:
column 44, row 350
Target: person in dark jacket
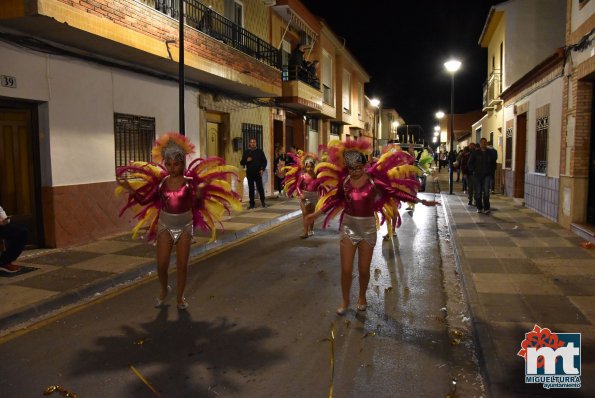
column 464, row 168
column 281, row 161
column 14, row 239
column 255, row 162
column 482, row 164
column 468, row 173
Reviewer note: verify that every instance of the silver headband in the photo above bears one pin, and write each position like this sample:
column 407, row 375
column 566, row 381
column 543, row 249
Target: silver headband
column 173, row 151
column 353, row 158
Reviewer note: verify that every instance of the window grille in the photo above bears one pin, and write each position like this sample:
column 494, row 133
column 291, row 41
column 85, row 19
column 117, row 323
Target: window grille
column 134, row 137
column 541, row 144
column 250, row 131
column 508, row 159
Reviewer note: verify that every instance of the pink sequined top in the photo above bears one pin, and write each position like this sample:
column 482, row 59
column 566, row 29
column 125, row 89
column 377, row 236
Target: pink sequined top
column 360, row 201
column 178, row 201
column 174, row 202
column 307, row 183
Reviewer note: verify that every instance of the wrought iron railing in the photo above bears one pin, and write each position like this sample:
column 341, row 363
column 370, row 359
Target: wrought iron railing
column 295, row 72
column 492, row 89
column 215, row 25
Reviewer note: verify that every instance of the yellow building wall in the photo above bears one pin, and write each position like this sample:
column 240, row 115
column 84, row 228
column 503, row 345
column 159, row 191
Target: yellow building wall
column 495, row 120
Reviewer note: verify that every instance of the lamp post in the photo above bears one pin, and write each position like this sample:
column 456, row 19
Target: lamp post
column 181, row 76
column 375, row 102
column 452, row 67
column 395, row 127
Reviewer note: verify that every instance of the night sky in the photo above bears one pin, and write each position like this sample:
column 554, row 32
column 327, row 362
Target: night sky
column 403, row 45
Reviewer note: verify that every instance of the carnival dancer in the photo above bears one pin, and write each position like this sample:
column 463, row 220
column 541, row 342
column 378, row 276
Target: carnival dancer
column 174, row 200
column 358, row 193
column 300, row 179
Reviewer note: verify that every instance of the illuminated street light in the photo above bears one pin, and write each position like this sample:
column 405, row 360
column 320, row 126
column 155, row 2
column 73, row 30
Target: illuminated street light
column 439, row 115
column 452, row 66
column 375, row 102
column 395, row 127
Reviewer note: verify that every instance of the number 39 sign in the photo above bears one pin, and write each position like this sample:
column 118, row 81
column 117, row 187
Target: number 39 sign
column 8, row 81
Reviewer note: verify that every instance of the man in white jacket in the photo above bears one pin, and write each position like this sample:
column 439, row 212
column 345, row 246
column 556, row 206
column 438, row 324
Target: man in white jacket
column 14, row 239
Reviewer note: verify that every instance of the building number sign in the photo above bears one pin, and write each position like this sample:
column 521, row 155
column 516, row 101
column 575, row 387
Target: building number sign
column 8, row 81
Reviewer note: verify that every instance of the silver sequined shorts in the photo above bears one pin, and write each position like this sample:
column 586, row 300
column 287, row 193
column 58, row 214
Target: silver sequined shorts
column 310, row 197
column 175, row 224
column 358, row 229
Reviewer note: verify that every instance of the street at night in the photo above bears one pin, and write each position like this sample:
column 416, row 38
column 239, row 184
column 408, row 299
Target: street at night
column 297, row 198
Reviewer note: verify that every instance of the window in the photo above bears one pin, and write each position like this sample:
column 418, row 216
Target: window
column 327, row 78
column 285, row 52
column 234, row 11
column 360, row 101
column 508, row 158
column 346, row 92
column 541, row 144
column 335, row 128
column 133, row 136
column 250, row 131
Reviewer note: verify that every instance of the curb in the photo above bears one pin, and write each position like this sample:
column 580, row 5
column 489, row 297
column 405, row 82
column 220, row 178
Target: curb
column 100, row 286
column 480, row 329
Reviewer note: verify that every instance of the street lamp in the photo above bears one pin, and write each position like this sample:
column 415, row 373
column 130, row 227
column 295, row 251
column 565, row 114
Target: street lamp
column 395, row 127
column 375, row 102
column 452, row 67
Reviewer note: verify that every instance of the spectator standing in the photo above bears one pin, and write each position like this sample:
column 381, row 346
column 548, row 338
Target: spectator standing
column 255, row 162
column 482, row 163
column 281, row 161
column 464, row 168
column 458, row 164
column 470, row 188
column 14, row 238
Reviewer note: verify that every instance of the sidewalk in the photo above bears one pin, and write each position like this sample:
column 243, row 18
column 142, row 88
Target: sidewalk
column 520, row 269
column 51, row 279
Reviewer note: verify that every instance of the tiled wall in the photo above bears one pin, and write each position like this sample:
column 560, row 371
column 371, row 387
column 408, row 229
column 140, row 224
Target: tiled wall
column 541, row 195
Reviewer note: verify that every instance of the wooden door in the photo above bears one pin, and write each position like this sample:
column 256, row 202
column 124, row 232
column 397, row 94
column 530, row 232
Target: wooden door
column 18, row 188
column 520, row 155
column 212, row 139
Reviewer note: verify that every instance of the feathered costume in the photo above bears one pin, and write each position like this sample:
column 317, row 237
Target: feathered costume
column 393, row 177
column 295, row 172
column 209, row 176
column 298, row 181
column 425, row 161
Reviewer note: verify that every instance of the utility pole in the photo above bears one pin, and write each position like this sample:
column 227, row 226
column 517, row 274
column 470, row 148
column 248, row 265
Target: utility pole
column 181, row 71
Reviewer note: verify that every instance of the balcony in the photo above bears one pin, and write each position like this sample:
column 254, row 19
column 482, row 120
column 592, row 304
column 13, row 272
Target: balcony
column 301, row 89
column 203, row 18
column 219, row 53
column 492, row 89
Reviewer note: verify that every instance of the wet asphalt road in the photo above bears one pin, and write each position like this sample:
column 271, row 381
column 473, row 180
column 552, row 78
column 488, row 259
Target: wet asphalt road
column 258, row 325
